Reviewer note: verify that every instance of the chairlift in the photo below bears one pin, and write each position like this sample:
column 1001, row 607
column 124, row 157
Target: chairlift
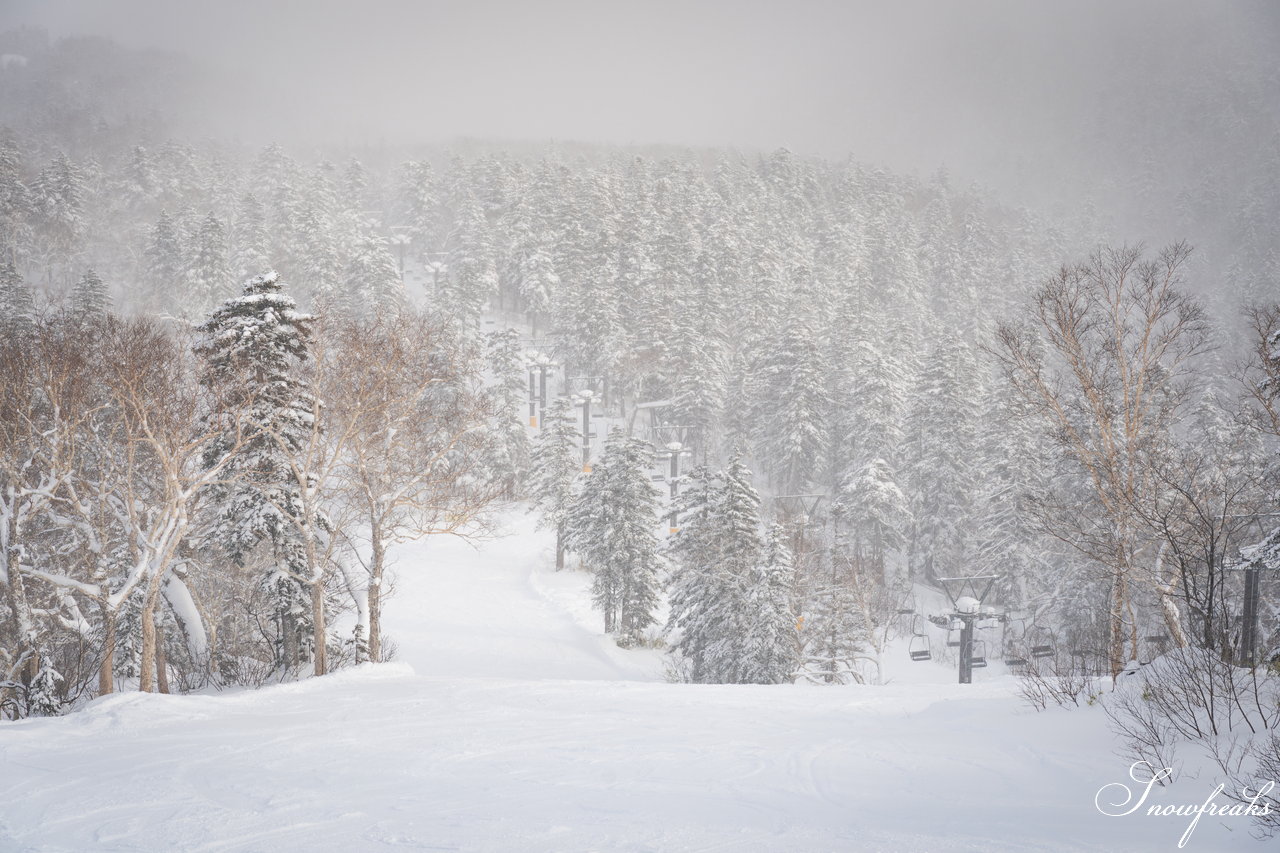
column 919, row 647
column 1043, row 648
column 953, row 638
column 1089, row 660
column 979, row 655
column 1015, row 663
column 1156, row 645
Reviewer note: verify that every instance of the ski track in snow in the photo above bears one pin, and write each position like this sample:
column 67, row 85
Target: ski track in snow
column 509, row 723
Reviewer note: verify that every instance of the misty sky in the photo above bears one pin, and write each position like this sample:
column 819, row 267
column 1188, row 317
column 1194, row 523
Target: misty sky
column 913, row 85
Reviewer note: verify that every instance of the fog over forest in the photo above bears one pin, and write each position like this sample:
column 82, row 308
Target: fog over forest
column 1034, row 99
column 852, row 358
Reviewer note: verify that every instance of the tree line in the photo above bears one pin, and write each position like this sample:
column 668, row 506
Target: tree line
column 192, row 505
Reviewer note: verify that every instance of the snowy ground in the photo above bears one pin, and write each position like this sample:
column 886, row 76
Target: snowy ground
column 510, row 724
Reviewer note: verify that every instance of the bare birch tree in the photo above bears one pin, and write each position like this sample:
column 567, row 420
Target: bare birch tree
column 415, row 424
column 1104, row 360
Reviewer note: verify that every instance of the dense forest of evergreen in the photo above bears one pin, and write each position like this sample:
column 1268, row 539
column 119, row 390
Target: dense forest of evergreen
column 960, row 386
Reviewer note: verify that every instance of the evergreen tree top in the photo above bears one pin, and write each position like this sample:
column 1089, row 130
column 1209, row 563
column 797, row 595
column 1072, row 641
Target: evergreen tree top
column 259, row 329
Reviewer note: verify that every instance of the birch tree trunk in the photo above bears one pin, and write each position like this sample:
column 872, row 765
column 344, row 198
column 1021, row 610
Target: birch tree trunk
column 162, row 665
column 320, row 632
column 377, row 564
column 106, row 669
column 148, row 625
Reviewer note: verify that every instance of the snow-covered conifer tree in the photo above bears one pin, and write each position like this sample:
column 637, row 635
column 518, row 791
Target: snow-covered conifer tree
column 208, row 279
column 252, row 346
column 57, row 197
column 89, row 298
column 532, row 268
column 941, row 452
column 164, row 267
column 472, row 276
column 699, row 590
column 832, row 634
column 555, row 466
column 17, row 307
column 611, row 524
column 373, row 280
column 771, row 645
column 249, row 238
column 875, row 513
column 721, row 598
column 416, row 207
column 508, row 456
column 355, row 185
column 15, row 204
column 789, row 406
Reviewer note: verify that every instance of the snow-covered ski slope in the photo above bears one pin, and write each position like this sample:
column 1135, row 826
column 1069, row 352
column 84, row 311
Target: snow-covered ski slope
column 511, row 724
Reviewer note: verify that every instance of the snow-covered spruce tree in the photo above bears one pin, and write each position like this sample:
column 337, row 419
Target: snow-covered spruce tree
column 586, row 312
column 372, row 280
column 251, row 348
column 416, row 207
column 163, row 267
column 698, row 358
column 875, row 418
column 57, row 198
column 508, row 444
column 789, row 406
column 89, row 299
column 556, row 462
column 355, row 185
column 698, row 590
column 771, row 649
column 531, row 266
column 832, row 635
column 941, row 452
column 730, row 595
column 472, row 276
column 876, row 515
column 249, row 238
column 15, row 203
column 611, row 525
column 315, row 246
column 136, row 184
column 208, row 280
column 1017, row 469
column 17, row 306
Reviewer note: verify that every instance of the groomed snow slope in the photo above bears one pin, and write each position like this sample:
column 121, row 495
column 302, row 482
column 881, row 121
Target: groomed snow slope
column 511, row 724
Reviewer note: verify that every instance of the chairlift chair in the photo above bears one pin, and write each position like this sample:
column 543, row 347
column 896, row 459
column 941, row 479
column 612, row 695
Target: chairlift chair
column 1014, row 658
column 1088, row 660
column 919, row 648
column 979, row 655
column 1155, row 646
column 953, row 635
column 1043, row 648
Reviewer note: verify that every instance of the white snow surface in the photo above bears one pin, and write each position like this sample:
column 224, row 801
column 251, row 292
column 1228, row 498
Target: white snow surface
column 510, row 723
